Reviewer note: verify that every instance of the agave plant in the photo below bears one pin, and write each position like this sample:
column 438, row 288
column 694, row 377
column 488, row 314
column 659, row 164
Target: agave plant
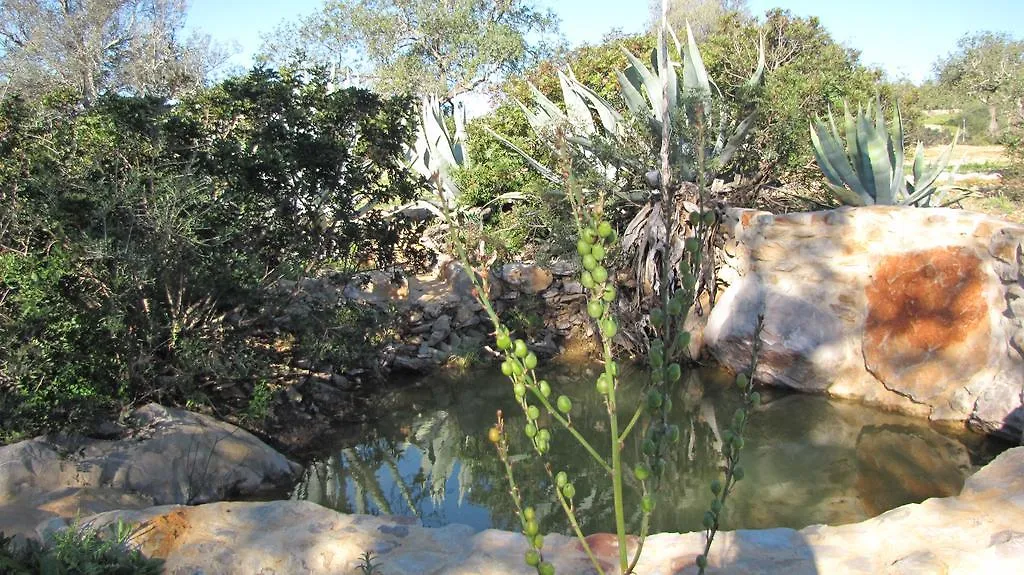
column 868, row 170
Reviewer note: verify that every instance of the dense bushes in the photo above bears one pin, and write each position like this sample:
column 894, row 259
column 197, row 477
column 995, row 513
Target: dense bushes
column 142, row 244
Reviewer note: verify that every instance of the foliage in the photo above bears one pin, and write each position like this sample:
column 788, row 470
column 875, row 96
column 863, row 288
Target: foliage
column 419, row 47
column 987, row 67
column 703, row 16
column 96, row 47
column 144, row 248
column 869, row 169
column 76, row 551
column 807, row 72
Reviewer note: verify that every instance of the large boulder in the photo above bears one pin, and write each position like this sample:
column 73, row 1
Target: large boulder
column 174, row 457
column 917, row 310
column 978, row 531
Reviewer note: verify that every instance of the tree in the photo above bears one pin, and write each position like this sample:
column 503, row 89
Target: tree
column 704, row 16
column 98, row 46
column 445, row 48
column 989, row 67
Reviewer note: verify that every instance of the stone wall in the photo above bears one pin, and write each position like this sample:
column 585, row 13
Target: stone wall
column 915, row 310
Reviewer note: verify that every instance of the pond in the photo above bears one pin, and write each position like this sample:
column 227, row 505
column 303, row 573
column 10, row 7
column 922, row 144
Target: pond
column 807, row 459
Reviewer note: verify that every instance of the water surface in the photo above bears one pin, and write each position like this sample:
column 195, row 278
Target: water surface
column 807, row 459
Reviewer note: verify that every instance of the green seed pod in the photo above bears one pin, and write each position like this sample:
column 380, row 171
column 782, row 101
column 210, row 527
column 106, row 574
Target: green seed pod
column 520, row 349
column 546, row 569
column 530, row 430
column 532, row 558
column 689, row 280
column 503, row 340
column 658, row 466
column 642, row 471
column 657, row 318
column 755, row 399
column 533, row 412
column 569, row 491
column 603, row 384
column 609, row 294
column 647, row 503
column 648, row 447
column 544, row 387
column 506, row 368
column 709, row 520
column 738, row 473
column 667, row 406
column 517, row 368
column 598, row 252
column 589, row 261
column 529, row 514
column 531, row 528
column 682, row 340
column 600, row 274
column 658, row 377
column 742, row 381
column 675, row 306
column 587, row 280
column 716, row 506
column 542, row 446
column 727, row 436
column 692, row 245
column 738, row 442
column 561, row 479
column 544, row 435
column 654, row 399
column 595, row 309
column 582, row 247
column 564, row 404
column 738, row 417
column 609, row 328
column 589, row 235
column 656, row 357
column 716, row 486
column 538, row 541
column 519, row 389
column 604, row 229
column 702, row 561
column 694, row 218
column 709, row 217
column 673, row 433
column 530, row 361
column 494, row 435
column 675, row 373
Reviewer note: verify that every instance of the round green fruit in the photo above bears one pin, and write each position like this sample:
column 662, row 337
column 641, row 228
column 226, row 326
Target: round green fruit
column 654, row 399
column 642, row 471
column 609, row 294
column 716, row 486
column 587, row 280
column 582, row 247
column 564, row 404
column 600, row 274
column 532, row 558
column 589, row 261
column 503, row 341
column 604, row 229
column 506, row 368
column 530, row 430
column 529, row 514
column 530, row 361
column 520, row 349
column 494, row 435
column 546, row 569
column 533, row 412
column 545, row 387
column 597, row 252
column 647, row 503
column 595, row 309
column 561, row 479
column 569, row 491
column 519, row 389
column 609, row 328
column 675, row 373
column 532, row 528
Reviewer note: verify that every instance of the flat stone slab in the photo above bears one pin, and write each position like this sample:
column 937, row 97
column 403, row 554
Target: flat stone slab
column 979, row 531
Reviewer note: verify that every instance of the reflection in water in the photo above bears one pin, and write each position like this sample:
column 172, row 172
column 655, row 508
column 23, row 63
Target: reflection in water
column 807, row 459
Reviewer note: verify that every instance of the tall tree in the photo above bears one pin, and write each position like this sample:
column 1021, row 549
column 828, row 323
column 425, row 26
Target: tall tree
column 704, row 16
column 989, row 67
column 442, row 47
column 95, row 46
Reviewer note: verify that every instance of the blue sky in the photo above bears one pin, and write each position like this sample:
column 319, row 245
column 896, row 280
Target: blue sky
column 902, row 37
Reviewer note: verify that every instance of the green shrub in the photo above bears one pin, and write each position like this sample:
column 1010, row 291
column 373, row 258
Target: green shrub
column 77, row 551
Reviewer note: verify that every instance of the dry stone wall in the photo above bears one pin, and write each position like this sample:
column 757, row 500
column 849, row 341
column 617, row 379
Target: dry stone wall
column 915, row 310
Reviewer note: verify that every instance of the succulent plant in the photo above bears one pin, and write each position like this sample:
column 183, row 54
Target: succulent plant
column 868, row 170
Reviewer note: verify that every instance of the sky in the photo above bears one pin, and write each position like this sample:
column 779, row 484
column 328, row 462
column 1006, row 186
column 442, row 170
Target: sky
column 902, row 37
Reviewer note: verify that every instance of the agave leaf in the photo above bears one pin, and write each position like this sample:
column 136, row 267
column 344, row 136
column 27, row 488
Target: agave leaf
column 758, row 76
column 899, row 179
column 834, row 164
column 850, row 127
column 847, row 196
column 576, row 107
column 651, row 83
column 549, row 107
column 667, row 75
column 929, row 177
column 695, row 75
column 545, row 173
column 539, row 121
column 737, row 138
column 918, row 163
column 611, row 119
column 878, row 159
column 865, row 171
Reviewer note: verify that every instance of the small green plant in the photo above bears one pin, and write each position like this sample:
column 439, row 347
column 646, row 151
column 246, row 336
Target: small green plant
column 869, row 169
column 77, row 550
column 259, row 402
column 366, row 564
